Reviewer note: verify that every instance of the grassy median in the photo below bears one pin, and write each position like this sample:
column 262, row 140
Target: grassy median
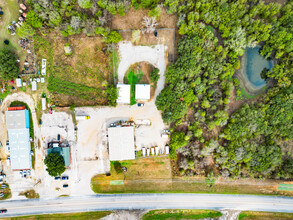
column 248, row 215
column 78, row 215
column 180, row 214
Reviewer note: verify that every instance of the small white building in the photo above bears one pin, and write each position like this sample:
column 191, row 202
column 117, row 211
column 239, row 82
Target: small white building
column 123, row 93
column 44, row 104
column 142, row 92
column 34, row 86
column 44, row 66
column 18, row 82
column 121, row 143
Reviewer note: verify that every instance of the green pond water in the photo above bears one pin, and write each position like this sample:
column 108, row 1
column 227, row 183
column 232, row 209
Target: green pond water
column 255, row 63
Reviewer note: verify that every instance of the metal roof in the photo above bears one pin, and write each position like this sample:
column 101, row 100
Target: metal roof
column 142, row 91
column 20, row 150
column 63, row 151
column 123, row 93
column 17, row 123
column 121, row 143
column 17, row 119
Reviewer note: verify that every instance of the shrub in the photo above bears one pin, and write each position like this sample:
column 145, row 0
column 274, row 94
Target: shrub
column 155, row 76
column 33, row 19
column 9, row 68
column 55, row 164
column 85, row 3
column 117, row 167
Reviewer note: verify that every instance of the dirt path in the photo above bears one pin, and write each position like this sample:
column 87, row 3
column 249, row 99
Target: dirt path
column 130, row 54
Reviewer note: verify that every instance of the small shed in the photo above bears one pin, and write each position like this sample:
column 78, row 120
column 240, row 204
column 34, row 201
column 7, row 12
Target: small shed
column 142, row 92
column 44, row 66
column 123, row 93
column 44, row 104
column 34, row 85
column 42, row 80
column 18, row 82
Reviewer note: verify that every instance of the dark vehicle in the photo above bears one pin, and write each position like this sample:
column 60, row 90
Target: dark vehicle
column 65, row 185
column 140, row 104
column 58, row 137
column 65, row 177
column 57, row 178
column 3, row 210
column 156, row 33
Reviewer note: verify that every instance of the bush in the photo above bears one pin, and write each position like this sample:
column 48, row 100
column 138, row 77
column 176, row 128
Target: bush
column 155, row 76
column 85, row 3
column 9, row 68
column 55, row 164
column 33, row 19
column 113, row 37
column 117, row 167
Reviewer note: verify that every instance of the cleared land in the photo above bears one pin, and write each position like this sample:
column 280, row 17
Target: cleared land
column 154, row 175
column 80, row 78
column 78, row 215
column 265, row 215
column 180, row 214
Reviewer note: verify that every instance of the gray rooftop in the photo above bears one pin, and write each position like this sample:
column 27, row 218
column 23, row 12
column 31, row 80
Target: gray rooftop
column 15, row 119
column 121, row 143
column 19, row 149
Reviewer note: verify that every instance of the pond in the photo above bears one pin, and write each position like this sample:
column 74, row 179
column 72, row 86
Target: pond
column 255, row 63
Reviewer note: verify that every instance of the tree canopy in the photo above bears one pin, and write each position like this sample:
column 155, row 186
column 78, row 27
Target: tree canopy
column 9, row 68
column 55, row 164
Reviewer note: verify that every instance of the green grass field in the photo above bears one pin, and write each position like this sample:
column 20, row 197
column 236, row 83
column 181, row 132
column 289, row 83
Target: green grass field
column 133, row 78
column 180, row 214
column 78, row 215
column 249, row 215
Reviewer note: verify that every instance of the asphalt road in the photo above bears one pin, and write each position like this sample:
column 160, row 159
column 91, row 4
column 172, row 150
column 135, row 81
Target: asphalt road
column 147, row 201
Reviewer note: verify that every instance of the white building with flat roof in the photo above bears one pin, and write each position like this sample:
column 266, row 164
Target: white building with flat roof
column 17, row 123
column 142, row 92
column 121, row 143
column 123, row 93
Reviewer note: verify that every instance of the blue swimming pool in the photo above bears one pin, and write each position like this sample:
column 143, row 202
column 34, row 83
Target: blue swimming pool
column 255, row 63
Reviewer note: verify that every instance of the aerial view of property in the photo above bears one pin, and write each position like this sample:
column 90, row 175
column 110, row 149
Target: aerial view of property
column 146, row 109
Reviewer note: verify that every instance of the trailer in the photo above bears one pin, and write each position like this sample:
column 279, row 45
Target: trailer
column 148, row 152
column 166, row 149
column 82, row 117
column 146, row 122
column 44, row 104
column 153, row 151
column 143, row 151
column 157, row 150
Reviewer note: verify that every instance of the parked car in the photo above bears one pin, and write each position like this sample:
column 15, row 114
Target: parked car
column 65, row 185
column 3, row 210
column 57, row 178
column 58, row 137
column 4, row 186
column 140, row 104
column 2, row 195
column 65, row 177
column 28, row 172
column 24, row 173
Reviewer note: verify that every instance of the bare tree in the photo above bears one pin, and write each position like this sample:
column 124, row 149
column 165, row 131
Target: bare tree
column 149, row 24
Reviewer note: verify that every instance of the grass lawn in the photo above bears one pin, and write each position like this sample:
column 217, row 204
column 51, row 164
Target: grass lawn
column 78, row 215
column 133, row 78
column 180, row 214
column 80, row 78
column 154, row 175
column 247, row 215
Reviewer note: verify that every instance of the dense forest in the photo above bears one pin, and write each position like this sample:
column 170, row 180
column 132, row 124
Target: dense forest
column 195, row 101
column 199, row 87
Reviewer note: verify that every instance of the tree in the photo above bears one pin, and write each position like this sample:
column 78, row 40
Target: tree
column 149, row 24
column 113, row 37
column 33, row 19
column 25, row 31
column 155, row 76
column 55, row 164
column 85, row 3
column 9, row 68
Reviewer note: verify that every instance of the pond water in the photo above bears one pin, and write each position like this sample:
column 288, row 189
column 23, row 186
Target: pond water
column 255, row 63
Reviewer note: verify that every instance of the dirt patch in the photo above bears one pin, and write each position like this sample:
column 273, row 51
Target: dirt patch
column 145, row 68
column 234, row 104
column 88, row 65
column 133, row 20
column 30, row 194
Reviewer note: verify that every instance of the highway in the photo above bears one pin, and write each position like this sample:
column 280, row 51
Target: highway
column 147, row 201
